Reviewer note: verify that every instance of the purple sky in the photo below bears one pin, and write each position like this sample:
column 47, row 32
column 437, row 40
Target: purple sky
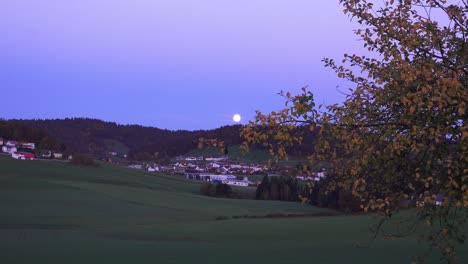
column 175, row 64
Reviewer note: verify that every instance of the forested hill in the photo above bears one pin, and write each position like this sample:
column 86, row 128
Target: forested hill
column 98, row 137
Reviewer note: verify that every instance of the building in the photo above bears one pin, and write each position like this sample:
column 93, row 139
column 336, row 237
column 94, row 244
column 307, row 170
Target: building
column 11, row 143
column 9, row 149
column 23, row 155
column 236, row 182
column 57, row 155
column 196, row 175
column 135, row 166
column 28, row 145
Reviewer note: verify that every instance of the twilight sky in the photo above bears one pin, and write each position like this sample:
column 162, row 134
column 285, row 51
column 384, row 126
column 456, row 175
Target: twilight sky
column 173, row 64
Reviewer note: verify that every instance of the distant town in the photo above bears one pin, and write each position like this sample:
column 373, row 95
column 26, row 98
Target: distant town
column 217, row 169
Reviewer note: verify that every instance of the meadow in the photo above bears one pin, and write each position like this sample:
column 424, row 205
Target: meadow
column 54, row 212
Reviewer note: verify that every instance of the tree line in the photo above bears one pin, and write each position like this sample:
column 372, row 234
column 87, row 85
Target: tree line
column 91, row 136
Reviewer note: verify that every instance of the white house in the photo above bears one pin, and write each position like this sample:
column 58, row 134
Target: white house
column 215, row 165
column 28, row 145
column 236, row 166
column 11, row 143
column 215, row 159
column 222, row 177
column 236, row 183
column 195, row 175
column 9, row 149
column 22, row 156
column 135, row 166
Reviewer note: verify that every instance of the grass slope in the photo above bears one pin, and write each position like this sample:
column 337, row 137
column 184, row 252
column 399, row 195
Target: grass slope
column 53, row 212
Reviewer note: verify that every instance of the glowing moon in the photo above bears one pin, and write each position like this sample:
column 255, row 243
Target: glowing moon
column 236, row 118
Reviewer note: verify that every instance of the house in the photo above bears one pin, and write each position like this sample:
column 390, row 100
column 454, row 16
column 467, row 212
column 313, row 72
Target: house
column 236, row 183
column 57, row 155
column 23, row 155
column 214, row 165
column 28, row 145
column 222, row 177
column 11, row 143
column 196, row 175
column 9, row 149
column 215, row 178
column 152, row 168
column 236, row 166
column 46, row 154
column 135, row 166
column 215, row 159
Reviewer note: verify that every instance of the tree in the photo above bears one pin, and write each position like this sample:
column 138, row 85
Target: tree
column 402, row 131
column 83, row 160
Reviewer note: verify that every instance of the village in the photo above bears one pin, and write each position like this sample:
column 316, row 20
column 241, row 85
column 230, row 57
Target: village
column 222, row 170
column 211, row 169
column 28, row 151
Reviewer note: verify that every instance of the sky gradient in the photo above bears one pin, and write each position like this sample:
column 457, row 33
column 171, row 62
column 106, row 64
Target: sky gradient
column 175, row 64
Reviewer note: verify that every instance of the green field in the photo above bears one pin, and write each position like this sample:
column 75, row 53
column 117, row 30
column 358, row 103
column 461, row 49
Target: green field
column 52, row 212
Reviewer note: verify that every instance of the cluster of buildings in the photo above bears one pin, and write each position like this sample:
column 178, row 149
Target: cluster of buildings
column 191, row 158
column 205, row 169
column 217, row 167
column 26, row 150
column 18, row 150
column 216, row 170
column 312, row 176
column 212, row 167
column 217, row 178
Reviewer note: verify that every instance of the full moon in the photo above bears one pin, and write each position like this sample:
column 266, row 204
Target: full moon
column 236, row 118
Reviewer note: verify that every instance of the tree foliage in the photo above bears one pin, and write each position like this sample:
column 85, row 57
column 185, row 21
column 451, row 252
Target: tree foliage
column 283, row 188
column 82, row 159
column 402, row 131
column 217, row 190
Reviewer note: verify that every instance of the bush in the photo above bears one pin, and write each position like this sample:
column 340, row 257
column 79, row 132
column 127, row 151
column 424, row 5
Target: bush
column 216, row 190
column 208, row 189
column 284, row 188
column 222, row 217
column 83, row 160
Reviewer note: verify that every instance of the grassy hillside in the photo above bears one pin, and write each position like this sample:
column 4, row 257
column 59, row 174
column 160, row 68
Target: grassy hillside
column 53, row 212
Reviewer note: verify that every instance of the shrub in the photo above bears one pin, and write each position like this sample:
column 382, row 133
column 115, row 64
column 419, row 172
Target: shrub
column 217, row 190
column 83, row 160
column 222, row 217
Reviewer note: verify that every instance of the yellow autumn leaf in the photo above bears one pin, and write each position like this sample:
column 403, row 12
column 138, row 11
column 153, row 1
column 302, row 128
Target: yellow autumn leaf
column 464, row 135
column 461, row 111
